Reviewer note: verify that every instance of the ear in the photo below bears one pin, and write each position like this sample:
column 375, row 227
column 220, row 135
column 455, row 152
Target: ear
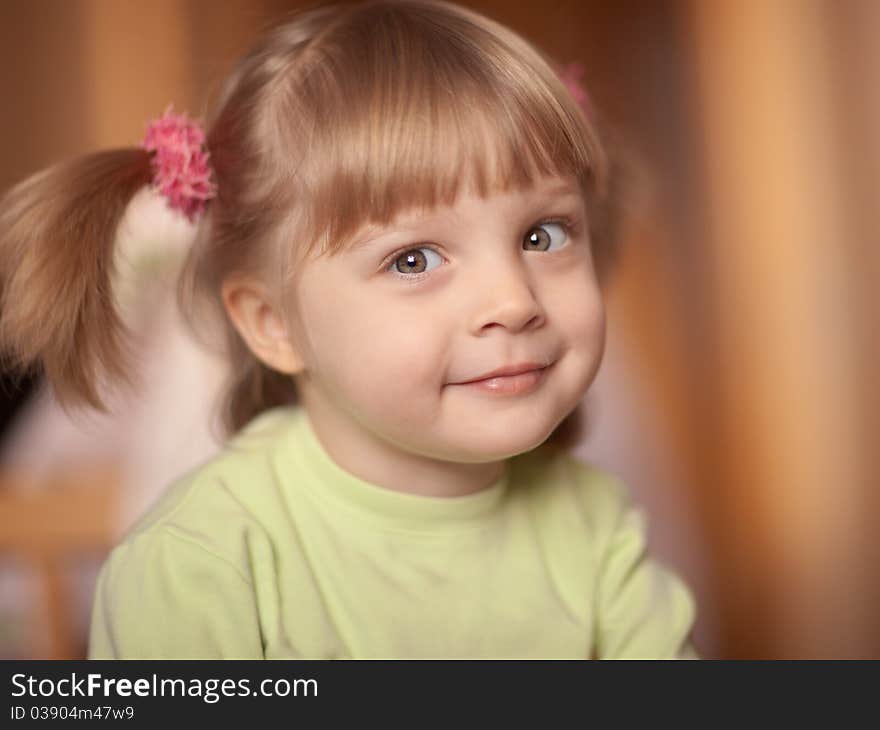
column 261, row 325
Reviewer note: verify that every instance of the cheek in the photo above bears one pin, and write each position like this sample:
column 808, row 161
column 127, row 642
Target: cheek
column 366, row 343
column 588, row 323
column 577, row 309
column 581, row 323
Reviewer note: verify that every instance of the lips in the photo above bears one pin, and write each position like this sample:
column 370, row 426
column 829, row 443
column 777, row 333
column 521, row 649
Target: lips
column 506, row 371
column 510, row 381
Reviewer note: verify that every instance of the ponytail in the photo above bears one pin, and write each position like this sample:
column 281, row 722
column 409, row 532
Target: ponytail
column 57, row 308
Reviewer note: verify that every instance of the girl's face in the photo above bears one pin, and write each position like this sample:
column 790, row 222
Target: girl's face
column 393, row 327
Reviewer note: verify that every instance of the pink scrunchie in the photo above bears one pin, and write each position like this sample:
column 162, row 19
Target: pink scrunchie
column 571, row 77
column 181, row 171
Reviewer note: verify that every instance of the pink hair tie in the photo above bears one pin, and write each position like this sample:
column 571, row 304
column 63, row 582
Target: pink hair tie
column 571, row 77
column 181, row 171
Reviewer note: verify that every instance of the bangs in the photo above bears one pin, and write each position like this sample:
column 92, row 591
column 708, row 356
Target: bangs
column 407, row 108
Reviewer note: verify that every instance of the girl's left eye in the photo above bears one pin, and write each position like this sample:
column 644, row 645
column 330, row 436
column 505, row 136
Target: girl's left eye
column 540, row 238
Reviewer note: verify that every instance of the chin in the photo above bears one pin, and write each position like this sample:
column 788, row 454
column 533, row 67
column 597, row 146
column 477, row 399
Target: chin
column 486, row 446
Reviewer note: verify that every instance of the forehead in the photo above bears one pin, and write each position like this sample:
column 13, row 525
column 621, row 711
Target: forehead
column 544, row 191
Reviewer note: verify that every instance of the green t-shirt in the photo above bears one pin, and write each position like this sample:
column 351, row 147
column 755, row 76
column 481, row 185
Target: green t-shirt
column 272, row 550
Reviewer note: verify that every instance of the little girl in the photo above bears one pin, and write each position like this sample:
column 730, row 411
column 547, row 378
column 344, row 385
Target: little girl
column 401, row 212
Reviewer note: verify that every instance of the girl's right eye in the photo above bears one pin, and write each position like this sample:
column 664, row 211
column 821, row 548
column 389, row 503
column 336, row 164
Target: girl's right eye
column 414, row 261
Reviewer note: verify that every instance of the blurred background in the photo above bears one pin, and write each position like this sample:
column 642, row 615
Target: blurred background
column 739, row 396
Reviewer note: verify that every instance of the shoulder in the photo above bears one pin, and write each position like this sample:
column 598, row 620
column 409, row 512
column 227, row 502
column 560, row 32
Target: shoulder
column 219, row 506
column 641, row 608
column 167, row 593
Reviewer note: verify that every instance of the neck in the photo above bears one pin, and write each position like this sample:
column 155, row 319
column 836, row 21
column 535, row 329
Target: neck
column 380, row 462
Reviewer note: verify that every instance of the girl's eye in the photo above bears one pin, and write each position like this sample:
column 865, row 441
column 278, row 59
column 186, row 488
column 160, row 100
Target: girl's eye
column 541, row 237
column 414, row 261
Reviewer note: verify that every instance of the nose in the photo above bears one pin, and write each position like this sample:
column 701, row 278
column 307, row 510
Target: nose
column 506, row 299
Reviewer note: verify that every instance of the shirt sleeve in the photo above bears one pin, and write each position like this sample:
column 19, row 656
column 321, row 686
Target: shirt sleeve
column 162, row 595
column 643, row 610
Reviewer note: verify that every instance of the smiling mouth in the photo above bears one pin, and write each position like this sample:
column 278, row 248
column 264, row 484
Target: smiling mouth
column 516, row 384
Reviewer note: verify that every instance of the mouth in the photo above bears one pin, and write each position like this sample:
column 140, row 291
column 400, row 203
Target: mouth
column 510, row 381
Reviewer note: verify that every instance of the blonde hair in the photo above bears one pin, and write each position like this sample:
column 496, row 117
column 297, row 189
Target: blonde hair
column 331, row 122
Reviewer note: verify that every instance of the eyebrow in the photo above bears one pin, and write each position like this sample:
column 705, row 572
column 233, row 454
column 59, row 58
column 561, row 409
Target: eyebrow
column 541, row 197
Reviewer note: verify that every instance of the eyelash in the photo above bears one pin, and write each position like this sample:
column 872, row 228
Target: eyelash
column 567, row 223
